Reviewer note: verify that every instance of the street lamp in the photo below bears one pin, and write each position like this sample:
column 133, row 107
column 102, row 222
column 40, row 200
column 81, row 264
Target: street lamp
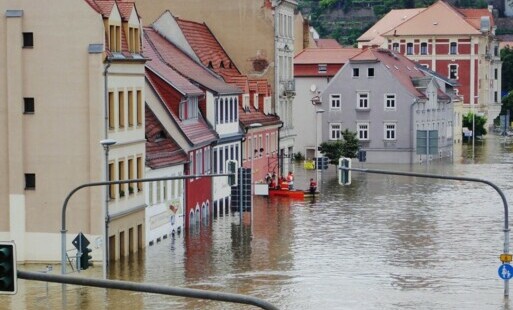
column 106, row 143
column 317, row 113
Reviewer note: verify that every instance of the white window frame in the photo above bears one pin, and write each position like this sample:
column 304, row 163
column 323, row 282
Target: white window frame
column 362, row 128
column 323, row 68
column 449, row 66
column 390, row 131
column 422, row 51
column 390, row 101
column 362, row 100
column 396, row 47
column 408, row 51
column 335, row 133
column 373, row 72
column 334, row 100
column 455, row 48
column 355, row 70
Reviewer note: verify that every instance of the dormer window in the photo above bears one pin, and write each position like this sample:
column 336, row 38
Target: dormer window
column 161, row 135
column 189, row 108
column 115, row 38
column 133, row 40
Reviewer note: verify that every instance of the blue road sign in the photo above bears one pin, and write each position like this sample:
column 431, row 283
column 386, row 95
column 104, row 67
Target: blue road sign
column 506, row 271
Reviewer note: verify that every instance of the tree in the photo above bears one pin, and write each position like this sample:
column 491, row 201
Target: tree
column 479, row 123
column 507, row 69
column 348, row 147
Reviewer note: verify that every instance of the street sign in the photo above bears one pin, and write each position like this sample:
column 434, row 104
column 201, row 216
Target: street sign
column 80, row 240
column 506, row 258
column 505, row 271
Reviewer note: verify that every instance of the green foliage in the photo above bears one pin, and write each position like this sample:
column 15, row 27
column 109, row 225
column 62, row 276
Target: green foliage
column 326, row 4
column 299, row 156
column 507, row 107
column 507, row 68
column 479, row 123
column 348, row 147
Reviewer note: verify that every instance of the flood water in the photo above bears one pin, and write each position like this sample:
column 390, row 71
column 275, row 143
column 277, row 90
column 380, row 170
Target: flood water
column 385, row 242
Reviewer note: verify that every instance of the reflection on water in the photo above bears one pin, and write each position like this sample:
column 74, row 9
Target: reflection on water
column 385, row 242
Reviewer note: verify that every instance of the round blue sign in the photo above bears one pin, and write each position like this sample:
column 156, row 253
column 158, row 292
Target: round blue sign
column 506, row 271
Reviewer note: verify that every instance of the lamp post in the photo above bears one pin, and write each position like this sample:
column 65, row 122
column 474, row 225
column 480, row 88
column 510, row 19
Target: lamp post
column 317, row 113
column 474, row 128
column 106, row 143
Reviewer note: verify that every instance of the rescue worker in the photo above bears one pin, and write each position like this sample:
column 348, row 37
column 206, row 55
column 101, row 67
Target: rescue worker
column 284, row 185
column 313, row 186
column 290, row 180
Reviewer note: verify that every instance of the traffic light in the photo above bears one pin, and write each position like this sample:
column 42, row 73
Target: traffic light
column 231, row 167
column 325, row 162
column 8, row 272
column 321, row 163
column 344, row 176
column 85, row 259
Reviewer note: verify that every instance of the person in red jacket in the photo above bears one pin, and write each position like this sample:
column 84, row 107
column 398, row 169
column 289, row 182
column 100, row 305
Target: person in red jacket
column 313, row 186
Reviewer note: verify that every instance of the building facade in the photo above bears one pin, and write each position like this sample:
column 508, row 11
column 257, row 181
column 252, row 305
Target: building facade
column 388, row 101
column 55, row 117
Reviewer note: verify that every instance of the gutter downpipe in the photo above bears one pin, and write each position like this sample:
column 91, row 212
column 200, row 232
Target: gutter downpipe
column 413, row 146
column 278, row 153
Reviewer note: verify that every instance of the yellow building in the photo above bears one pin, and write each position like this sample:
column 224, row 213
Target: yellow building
column 62, row 69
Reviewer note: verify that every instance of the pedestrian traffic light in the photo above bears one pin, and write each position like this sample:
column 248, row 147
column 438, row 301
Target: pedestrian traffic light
column 231, row 167
column 325, row 162
column 8, row 271
column 344, row 175
column 85, row 258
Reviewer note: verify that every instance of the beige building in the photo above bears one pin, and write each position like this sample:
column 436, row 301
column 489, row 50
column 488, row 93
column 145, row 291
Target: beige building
column 261, row 43
column 53, row 105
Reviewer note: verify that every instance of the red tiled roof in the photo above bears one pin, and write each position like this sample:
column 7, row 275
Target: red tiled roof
column 473, row 16
column 161, row 149
column 327, row 43
column 196, row 131
column 186, row 66
column 254, row 116
column 105, row 6
column 158, row 66
column 93, row 4
column 206, row 46
column 402, row 68
column 125, row 9
column 325, row 55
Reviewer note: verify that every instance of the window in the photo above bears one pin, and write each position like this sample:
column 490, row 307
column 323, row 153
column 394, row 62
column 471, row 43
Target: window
column 495, row 96
column 370, row 72
column 356, row 72
column 30, row 181
column 28, row 39
column 199, row 162
column 192, row 107
column 115, row 38
column 28, row 105
column 267, row 144
column 323, row 68
column 111, row 110
column 423, row 48
column 139, row 108
column 112, row 187
column 139, row 173
column 453, row 48
column 133, row 38
column 362, row 100
column 395, row 47
column 390, row 131
column 335, row 102
column 335, row 131
column 206, row 158
column 130, row 108
column 363, row 131
column 496, row 73
column 121, row 177
column 121, row 109
column 453, row 72
column 389, row 101
column 131, row 175
column 496, row 50
column 409, row 48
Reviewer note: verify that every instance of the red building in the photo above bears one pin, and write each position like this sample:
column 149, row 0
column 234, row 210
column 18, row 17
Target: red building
column 459, row 44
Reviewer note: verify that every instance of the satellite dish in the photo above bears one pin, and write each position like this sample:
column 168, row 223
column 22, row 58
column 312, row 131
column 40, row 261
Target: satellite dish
column 313, row 88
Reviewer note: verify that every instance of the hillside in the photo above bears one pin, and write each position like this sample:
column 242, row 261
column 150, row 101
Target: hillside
column 346, row 20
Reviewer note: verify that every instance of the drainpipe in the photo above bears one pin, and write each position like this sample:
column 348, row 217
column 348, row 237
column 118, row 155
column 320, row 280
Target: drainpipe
column 413, row 134
column 280, row 157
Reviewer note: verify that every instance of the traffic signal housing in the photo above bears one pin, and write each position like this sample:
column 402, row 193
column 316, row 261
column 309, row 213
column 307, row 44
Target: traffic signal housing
column 231, row 167
column 85, row 258
column 321, row 163
column 344, row 175
column 8, row 271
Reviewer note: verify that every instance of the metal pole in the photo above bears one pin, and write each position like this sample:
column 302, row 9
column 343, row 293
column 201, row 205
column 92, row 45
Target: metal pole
column 106, row 213
column 444, row 177
column 148, row 288
column 94, row 184
column 316, row 148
